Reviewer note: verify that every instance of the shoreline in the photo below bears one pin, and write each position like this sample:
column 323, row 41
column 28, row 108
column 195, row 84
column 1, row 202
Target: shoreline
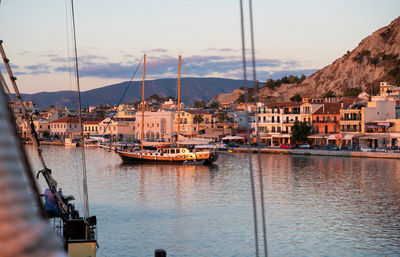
column 322, row 153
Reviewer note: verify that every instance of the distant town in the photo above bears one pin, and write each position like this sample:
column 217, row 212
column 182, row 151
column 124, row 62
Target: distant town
column 344, row 122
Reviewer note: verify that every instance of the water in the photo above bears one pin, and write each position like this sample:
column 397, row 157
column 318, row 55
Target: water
column 315, row 206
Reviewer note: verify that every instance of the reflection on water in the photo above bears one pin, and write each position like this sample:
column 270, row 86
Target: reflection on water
column 315, row 206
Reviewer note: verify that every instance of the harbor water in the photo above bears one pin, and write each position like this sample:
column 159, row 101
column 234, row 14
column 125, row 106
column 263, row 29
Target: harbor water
column 315, row 205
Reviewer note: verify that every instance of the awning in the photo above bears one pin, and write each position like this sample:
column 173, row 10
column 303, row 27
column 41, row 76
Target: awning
column 333, row 137
column 375, row 137
column 316, row 136
column 232, row 138
column 195, row 142
column 281, row 136
column 350, row 136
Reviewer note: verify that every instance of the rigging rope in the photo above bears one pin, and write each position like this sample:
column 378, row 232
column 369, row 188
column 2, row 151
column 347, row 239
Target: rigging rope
column 84, row 182
column 258, row 133
column 122, row 97
column 253, row 194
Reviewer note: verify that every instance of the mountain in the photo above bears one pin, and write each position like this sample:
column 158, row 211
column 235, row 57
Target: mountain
column 375, row 59
column 192, row 89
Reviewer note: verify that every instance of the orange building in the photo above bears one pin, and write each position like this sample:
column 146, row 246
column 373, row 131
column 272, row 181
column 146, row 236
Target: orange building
column 325, row 123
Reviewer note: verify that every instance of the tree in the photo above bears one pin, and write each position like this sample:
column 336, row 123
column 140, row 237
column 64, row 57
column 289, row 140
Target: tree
column 296, row 98
column 214, row 104
column 198, row 118
column 300, row 132
column 200, row 104
column 222, row 116
column 328, row 94
column 155, row 97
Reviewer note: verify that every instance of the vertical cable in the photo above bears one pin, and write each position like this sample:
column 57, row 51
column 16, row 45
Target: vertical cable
column 85, row 189
column 253, row 193
column 258, row 133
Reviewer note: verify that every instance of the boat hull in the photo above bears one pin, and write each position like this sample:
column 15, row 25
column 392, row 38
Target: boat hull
column 135, row 157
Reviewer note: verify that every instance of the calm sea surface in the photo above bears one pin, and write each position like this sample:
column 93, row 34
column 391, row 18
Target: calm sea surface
column 315, row 206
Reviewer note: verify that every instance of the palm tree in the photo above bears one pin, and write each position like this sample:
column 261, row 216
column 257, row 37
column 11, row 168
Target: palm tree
column 198, row 118
column 222, row 116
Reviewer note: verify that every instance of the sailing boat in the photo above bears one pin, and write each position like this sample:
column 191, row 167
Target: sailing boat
column 178, row 154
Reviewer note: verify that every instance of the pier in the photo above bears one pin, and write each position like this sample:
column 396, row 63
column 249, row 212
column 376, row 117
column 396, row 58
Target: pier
column 389, row 155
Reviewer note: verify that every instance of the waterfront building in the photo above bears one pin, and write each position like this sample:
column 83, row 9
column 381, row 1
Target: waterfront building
column 307, row 109
column 275, row 121
column 42, row 128
column 64, row 127
column 91, row 127
column 325, row 124
column 118, row 129
column 158, row 125
column 192, row 122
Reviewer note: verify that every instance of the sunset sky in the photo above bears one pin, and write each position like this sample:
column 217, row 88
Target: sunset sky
column 291, row 37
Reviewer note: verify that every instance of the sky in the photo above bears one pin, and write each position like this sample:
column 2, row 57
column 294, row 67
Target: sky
column 291, row 37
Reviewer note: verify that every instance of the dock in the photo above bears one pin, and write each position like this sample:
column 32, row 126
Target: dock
column 388, row 155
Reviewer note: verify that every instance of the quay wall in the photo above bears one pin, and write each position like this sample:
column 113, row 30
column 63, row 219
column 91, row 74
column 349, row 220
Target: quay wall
column 322, row 153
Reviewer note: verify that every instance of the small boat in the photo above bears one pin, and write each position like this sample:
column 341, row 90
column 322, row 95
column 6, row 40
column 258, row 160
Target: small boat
column 178, row 155
column 68, row 142
column 89, row 142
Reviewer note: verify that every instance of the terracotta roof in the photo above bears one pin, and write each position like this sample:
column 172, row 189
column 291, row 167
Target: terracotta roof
column 91, row 122
column 329, row 108
column 73, row 120
column 284, row 104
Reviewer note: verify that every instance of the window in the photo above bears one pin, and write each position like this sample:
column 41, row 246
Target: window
column 273, row 119
column 273, row 129
column 265, row 118
column 75, row 126
column 326, row 129
column 172, row 150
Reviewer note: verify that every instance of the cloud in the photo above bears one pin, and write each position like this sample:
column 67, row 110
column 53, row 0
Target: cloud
column 39, row 68
column 281, row 73
column 226, row 50
column 227, row 65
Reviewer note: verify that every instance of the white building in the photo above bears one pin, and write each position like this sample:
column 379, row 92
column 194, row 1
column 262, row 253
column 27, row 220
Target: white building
column 158, row 125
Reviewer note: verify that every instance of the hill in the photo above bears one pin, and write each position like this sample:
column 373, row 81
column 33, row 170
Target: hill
column 375, row 59
column 192, row 89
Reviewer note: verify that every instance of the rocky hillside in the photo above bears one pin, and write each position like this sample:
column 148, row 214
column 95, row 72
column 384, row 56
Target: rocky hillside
column 227, row 97
column 375, row 59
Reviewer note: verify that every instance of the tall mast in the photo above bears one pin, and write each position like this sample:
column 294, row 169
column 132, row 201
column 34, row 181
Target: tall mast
column 84, row 184
column 179, row 100
column 144, row 73
column 25, row 119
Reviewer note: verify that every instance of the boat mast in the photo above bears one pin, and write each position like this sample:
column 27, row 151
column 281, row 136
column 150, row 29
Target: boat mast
column 144, row 73
column 52, row 184
column 179, row 100
column 84, row 184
